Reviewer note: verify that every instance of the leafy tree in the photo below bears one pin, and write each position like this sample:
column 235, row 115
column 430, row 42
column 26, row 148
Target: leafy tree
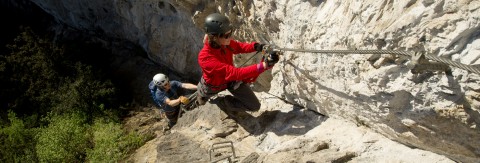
column 28, row 74
column 39, row 79
column 64, row 140
column 84, row 93
column 111, row 144
column 16, row 141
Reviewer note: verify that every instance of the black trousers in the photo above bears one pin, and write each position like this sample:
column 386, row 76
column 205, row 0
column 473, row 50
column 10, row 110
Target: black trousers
column 243, row 98
column 172, row 117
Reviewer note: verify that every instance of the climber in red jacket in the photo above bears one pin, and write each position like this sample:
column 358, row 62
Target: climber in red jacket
column 219, row 73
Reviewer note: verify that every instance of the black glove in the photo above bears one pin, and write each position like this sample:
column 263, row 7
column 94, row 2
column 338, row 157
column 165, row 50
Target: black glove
column 258, row 47
column 272, row 58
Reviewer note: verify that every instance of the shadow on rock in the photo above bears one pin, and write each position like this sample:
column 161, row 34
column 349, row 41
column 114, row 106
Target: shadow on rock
column 297, row 121
column 440, row 128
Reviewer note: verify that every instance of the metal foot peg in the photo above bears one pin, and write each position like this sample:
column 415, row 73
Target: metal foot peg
column 226, row 144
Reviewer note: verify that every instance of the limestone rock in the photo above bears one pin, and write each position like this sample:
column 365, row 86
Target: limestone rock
column 430, row 111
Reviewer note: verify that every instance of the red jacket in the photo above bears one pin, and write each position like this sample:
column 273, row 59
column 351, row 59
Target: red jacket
column 218, row 68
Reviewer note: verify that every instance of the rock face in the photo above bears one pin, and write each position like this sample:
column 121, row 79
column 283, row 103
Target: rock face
column 279, row 132
column 433, row 111
column 165, row 32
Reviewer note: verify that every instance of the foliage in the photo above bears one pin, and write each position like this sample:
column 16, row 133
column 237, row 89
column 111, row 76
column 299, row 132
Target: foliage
column 61, row 108
column 29, row 75
column 16, row 141
column 39, row 77
column 83, row 93
column 110, row 142
column 64, row 140
column 68, row 139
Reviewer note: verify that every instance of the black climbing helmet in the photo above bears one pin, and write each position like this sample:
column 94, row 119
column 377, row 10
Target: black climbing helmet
column 217, row 24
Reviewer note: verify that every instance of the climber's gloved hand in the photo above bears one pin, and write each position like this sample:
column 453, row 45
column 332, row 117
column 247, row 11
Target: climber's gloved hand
column 184, row 100
column 258, row 47
column 272, row 58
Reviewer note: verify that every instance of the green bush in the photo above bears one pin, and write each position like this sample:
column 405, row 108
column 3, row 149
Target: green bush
column 110, row 143
column 17, row 142
column 29, row 73
column 38, row 79
column 64, row 140
column 84, row 92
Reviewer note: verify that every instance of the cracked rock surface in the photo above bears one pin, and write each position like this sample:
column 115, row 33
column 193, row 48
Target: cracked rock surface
column 432, row 111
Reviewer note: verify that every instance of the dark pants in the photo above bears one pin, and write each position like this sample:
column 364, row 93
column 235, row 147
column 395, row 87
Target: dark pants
column 243, row 98
column 172, row 117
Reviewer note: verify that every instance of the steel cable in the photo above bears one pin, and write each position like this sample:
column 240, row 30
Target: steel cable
column 405, row 53
column 453, row 63
column 470, row 68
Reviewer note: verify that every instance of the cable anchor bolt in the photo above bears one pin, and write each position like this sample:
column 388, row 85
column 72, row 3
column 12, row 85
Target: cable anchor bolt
column 419, row 64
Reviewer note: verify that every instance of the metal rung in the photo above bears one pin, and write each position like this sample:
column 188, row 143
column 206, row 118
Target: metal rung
column 220, row 145
column 228, row 157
